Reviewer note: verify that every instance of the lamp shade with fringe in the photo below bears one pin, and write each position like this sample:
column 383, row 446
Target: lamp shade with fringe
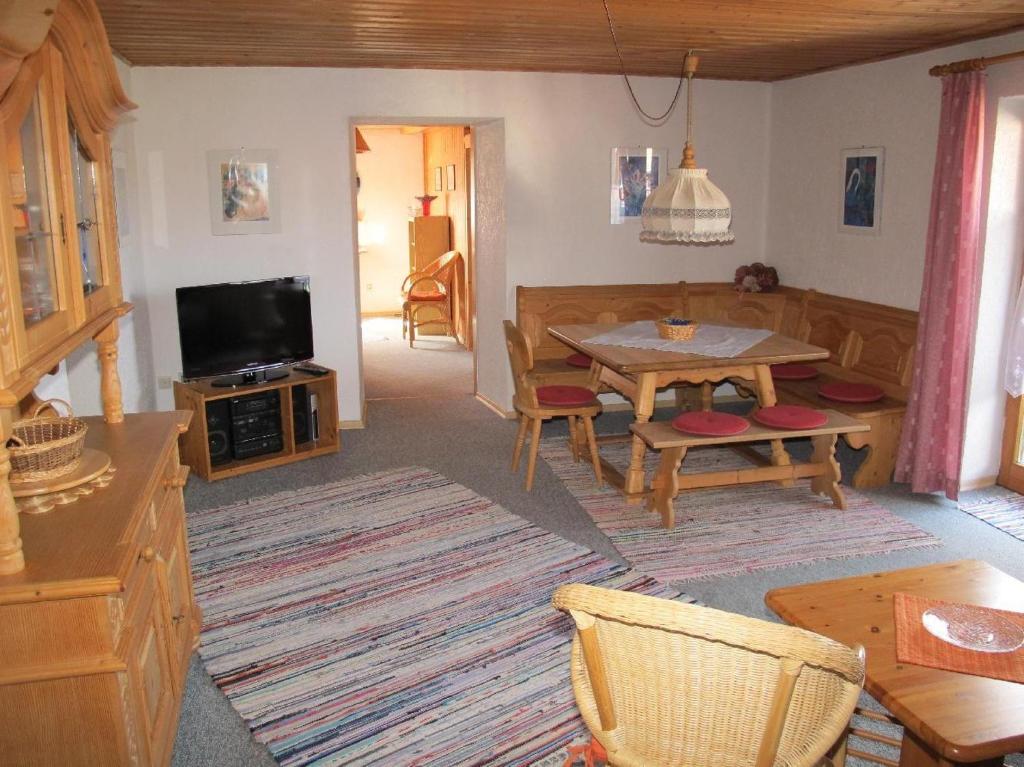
column 687, row 207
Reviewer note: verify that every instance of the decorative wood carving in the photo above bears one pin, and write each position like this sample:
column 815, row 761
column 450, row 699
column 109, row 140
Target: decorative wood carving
column 23, row 27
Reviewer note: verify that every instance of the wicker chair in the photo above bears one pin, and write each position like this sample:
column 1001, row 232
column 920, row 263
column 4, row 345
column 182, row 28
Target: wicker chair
column 433, row 289
column 664, row 683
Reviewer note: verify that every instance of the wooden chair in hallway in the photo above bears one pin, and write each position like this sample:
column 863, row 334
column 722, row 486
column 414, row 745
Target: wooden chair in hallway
column 536, row 404
column 434, row 289
column 659, row 682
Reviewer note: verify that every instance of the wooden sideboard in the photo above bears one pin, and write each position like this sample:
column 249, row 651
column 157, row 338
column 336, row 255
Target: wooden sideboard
column 96, row 632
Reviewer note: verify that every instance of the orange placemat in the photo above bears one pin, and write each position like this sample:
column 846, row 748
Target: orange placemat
column 915, row 644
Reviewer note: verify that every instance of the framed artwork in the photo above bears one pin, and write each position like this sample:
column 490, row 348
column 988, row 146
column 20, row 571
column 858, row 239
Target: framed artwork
column 451, row 178
column 438, row 185
column 243, row 191
column 636, row 172
column 862, row 190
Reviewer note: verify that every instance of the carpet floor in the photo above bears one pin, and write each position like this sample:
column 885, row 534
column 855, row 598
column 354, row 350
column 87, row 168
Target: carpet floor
column 393, row 618
column 1004, row 511
column 731, row 530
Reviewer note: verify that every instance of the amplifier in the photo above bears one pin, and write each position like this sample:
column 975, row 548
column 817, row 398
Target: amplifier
column 256, row 403
column 272, row 443
column 256, row 425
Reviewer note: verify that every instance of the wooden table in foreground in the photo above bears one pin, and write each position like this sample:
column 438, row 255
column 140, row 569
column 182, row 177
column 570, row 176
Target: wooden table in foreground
column 948, row 718
column 637, row 374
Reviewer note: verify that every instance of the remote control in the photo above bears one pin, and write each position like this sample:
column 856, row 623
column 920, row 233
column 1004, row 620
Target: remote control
column 310, row 370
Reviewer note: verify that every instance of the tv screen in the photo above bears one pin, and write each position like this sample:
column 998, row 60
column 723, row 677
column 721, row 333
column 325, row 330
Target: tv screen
column 236, row 327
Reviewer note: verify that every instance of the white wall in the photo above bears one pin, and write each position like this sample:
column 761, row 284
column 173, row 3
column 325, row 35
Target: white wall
column 558, row 131
column 894, row 104
column 392, row 176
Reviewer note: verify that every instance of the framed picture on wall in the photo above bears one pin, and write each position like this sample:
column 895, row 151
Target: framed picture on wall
column 243, row 191
column 636, row 172
column 861, row 208
column 451, row 178
column 438, row 183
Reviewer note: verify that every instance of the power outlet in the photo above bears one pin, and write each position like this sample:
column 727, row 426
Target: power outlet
column 163, row 382
column 369, row 286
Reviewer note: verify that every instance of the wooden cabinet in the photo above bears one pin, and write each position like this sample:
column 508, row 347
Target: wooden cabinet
column 429, row 238
column 97, row 633
column 195, row 396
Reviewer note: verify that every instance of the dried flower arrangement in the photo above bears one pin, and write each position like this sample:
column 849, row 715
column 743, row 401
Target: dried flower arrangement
column 756, row 278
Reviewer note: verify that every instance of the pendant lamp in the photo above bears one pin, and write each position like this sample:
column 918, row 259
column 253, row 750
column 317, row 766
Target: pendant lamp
column 687, row 207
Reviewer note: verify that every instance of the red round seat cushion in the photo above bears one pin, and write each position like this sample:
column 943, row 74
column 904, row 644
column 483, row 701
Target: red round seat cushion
column 426, row 295
column 565, row 396
column 578, row 360
column 708, row 423
column 848, row 391
column 790, row 417
column 793, row 372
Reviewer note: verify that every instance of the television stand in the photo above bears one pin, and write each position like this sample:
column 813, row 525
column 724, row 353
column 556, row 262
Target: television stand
column 285, row 419
column 250, row 378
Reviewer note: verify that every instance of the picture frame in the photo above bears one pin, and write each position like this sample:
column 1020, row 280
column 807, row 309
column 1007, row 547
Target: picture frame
column 636, row 172
column 860, row 200
column 451, row 178
column 244, row 196
column 438, row 184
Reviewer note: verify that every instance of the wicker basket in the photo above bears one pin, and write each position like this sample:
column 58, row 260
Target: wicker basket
column 43, row 448
column 676, row 332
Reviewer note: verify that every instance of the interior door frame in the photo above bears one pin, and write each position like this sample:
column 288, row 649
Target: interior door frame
column 1011, row 473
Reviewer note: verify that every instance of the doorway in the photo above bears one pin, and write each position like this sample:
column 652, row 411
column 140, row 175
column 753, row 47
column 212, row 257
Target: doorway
column 414, row 209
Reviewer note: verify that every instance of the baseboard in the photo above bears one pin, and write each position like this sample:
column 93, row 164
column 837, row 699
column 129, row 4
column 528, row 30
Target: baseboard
column 387, row 313
column 979, row 483
column 495, row 407
column 360, row 424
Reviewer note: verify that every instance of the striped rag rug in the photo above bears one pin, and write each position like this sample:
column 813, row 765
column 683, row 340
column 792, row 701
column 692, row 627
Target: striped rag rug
column 396, row 618
column 1001, row 508
column 730, row 530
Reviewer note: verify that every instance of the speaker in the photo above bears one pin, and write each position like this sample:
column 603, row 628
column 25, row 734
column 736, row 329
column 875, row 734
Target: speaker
column 300, row 414
column 218, row 430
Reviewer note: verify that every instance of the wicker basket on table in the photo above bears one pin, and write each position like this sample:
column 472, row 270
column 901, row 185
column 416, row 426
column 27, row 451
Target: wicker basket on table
column 46, row 447
column 677, row 328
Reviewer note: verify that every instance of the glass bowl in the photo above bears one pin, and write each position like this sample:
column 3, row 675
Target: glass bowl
column 973, row 628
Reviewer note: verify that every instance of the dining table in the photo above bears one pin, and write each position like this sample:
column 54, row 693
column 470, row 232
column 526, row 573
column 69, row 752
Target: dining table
column 637, row 373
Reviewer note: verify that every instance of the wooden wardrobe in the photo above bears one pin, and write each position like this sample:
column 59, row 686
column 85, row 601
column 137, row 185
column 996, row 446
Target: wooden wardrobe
column 97, row 614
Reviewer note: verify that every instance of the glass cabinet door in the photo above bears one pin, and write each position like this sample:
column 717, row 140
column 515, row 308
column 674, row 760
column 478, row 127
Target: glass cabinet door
column 87, row 211
column 33, row 219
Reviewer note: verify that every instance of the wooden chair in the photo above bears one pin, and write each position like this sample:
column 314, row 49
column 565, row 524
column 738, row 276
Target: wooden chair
column 536, row 404
column 664, row 683
column 433, row 288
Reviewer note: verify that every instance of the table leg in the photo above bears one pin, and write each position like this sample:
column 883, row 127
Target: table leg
column 766, row 398
column 916, row 753
column 643, row 406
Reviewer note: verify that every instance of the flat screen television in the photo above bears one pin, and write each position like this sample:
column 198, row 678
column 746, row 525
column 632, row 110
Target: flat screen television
column 244, row 328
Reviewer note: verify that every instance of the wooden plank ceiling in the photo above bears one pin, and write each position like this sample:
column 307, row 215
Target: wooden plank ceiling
column 740, row 39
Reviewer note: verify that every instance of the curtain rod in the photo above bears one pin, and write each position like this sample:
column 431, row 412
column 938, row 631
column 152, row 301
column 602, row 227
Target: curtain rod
column 971, row 65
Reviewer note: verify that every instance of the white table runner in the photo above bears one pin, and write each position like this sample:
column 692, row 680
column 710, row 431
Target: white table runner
column 709, row 340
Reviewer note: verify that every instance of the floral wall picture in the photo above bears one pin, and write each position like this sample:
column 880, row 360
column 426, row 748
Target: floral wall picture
column 242, row 192
column 636, row 172
column 862, row 190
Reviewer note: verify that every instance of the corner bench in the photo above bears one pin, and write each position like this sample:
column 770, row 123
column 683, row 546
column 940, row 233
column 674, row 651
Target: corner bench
column 822, row 468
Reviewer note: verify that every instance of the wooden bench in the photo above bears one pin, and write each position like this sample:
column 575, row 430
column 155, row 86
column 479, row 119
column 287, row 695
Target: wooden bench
column 867, row 343
column 822, row 468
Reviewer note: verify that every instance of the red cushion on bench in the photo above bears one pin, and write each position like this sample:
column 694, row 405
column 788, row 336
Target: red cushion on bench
column 790, row 417
column 565, row 396
column 848, row 391
column 707, row 423
column 793, row 372
column 578, row 360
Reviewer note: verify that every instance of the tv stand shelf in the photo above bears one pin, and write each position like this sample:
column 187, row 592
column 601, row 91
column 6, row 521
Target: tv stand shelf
column 195, row 444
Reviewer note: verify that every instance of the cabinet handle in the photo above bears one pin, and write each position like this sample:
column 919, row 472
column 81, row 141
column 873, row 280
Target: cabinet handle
column 179, row 479
column 178, row 619
column 148, row 554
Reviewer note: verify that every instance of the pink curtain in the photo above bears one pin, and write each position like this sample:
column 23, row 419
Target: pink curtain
column 931, row 444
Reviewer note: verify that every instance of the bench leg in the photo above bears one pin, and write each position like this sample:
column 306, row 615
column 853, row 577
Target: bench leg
column 827, row 483
column 882, row 444
column 666, row 485
column 687, row 397
column 766, row 398
column 574, row 446
column 520, row 441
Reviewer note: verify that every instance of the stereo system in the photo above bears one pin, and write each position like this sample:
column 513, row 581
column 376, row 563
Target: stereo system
column 250, row 425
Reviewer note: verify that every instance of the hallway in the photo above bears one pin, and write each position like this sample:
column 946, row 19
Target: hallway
column 436, row 368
